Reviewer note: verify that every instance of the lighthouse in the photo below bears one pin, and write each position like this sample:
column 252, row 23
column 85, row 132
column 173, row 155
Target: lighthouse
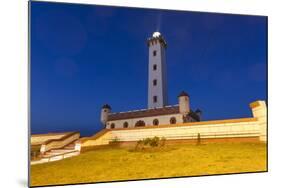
column 157, row 81
column 158, row 112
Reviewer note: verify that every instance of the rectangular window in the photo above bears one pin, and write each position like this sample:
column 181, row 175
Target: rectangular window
column 154, row 53
column 154, row 82
column 154, row 67
column 154, row 99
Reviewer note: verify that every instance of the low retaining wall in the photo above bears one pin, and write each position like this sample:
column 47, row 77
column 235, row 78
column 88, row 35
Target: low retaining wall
column 250, row 128
column 101, row 138
column 246, row 127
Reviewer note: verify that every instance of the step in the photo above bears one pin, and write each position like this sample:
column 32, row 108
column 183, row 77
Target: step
column 72, row 144
column 60, row 155
column 69, row 147
column 60, row 150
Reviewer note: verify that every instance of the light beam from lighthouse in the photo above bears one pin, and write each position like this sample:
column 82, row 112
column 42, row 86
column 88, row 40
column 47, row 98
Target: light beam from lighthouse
column 157, row 81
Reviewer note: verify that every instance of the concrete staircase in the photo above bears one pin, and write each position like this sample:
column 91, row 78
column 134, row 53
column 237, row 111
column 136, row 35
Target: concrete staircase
column 58, row 154
column 61, row 153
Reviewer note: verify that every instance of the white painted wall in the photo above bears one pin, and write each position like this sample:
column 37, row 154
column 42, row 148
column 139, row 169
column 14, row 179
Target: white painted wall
column 225, row 130
column 244, row 129
column 160, row 90
column 184, row 104
column 163, row 120
column 104, row 115
column 238, row 128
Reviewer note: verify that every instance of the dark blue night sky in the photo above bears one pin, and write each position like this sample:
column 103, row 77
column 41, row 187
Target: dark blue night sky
column 83, row 56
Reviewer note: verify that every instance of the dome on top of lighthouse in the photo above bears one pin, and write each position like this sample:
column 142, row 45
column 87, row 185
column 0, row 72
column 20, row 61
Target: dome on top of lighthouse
column 156, row 34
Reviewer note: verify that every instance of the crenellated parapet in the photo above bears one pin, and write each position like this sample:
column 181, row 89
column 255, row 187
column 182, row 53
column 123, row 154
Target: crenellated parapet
column 155, row 40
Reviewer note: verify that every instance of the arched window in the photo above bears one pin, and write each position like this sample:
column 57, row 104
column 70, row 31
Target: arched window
column 140, row 123
column 125, row 124
column 155, row 122
column 173, row 120
column 112, row 125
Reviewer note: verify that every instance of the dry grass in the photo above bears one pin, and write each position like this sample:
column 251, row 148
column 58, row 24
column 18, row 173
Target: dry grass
column 113, row 164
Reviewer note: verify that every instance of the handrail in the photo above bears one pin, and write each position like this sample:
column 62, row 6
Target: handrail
column 50, row 134
column 62, row 138
column 59, row 143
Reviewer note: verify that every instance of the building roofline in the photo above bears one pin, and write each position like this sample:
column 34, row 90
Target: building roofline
column 183, row 93
column 144, row 113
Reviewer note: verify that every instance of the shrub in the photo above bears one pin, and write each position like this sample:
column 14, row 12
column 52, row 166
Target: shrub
column 150, row 142
column 162, row 141
column 139, row 145
column 154, row 142
column 147, row 141
column 115, row 140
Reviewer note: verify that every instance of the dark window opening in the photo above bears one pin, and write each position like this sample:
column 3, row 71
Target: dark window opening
column 154, row 98
column 112, row 126
column 154, row 53
column 154, row 67
column 173, row 120
column 140, row 123
column 155, row 122
column 125, row 124
column 155, row 82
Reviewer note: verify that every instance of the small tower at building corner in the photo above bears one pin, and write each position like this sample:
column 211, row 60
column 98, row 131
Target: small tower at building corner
column 198, row 112
column 184, row 103
column 105, row 110
column 157, row 81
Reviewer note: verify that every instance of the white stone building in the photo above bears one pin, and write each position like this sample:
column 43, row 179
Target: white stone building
column 158, row 112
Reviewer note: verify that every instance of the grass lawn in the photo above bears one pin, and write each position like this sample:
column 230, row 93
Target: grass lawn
column 112, row 164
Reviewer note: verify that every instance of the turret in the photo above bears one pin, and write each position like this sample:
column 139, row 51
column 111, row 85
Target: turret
column 104, row 113
column 184, row 105
column 198, row 112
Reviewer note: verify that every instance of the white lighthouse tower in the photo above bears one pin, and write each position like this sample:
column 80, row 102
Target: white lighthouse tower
column 157, row 81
